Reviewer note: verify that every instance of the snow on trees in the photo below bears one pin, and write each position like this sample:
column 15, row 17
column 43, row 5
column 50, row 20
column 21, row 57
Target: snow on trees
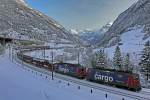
column 93, row 60
column 87, row 57
column 117, row 59
column 2, row 49
column 145, row 60
column 127, row 66
column 100, row 60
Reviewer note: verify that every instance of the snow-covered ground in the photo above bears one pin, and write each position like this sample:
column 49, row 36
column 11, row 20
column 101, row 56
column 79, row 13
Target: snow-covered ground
column 133, row 43
column 67, row 53
column 18, row 83
column 59, row 55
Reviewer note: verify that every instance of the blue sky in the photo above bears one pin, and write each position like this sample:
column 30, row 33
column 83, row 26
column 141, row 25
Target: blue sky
column 81, row 14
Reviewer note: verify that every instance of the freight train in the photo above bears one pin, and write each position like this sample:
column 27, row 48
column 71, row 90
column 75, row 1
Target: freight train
column 120, row 79
column 70, row 69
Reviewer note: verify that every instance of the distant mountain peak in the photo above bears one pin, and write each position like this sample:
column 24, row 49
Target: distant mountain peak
column 73, row 31
column 92, row 36
column 21, row 2
column 109, row 24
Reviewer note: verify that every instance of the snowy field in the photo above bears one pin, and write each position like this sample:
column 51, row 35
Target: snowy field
column 59, row 55
column 67, row 53
column 20, row 83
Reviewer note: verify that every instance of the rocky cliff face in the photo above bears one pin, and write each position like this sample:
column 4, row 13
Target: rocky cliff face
column 16, row 16
column 137, row 15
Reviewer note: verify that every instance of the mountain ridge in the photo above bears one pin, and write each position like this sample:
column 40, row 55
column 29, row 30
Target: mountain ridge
column 90, row 36
column 17, row 16
column 136, row 15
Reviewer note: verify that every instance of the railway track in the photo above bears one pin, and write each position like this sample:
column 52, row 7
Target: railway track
column 145, row 92
column 136, row 96
column 105, row 89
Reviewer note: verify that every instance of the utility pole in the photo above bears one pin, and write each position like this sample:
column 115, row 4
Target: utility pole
column 4, row 41
column 78, row 52
column 3, row 44
column 22, row 58
column 12, row 49
column 9, row 52
column 54, row 38
column 52, row 65
column 78, row 56
column 44, row 53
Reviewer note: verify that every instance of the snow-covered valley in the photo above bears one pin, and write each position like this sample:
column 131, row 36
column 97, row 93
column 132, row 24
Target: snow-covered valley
column 18, row 82
column 32, row 44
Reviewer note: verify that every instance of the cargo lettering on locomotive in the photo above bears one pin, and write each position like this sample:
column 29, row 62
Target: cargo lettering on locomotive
column 103, row 78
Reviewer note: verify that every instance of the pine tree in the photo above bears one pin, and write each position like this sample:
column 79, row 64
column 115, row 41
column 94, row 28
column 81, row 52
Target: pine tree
column 145, row 59
column 2, row 49
column 101, row 61
column 87, row 57
column 93, row 61
column 127, row 63
column 117, row 60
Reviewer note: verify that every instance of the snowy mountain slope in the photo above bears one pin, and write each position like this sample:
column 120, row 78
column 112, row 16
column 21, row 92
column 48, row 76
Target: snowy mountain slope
column 17, row 16
column 137, row 14
column 21, row 2
column 131, row 42
column 73, row 31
